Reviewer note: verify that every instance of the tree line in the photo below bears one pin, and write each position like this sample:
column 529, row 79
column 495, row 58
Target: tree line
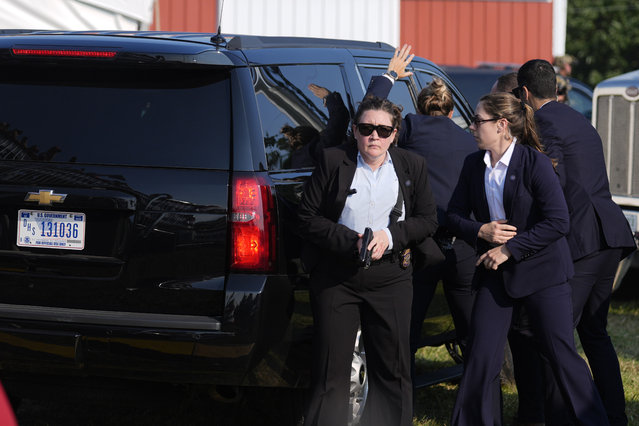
column 603, row 36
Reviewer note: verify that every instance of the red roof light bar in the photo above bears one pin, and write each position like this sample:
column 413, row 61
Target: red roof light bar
column 65, row 52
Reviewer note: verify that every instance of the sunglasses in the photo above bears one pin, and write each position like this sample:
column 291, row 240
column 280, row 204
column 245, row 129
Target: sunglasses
column 366, row 129
column 517, row 91
column 477, row 121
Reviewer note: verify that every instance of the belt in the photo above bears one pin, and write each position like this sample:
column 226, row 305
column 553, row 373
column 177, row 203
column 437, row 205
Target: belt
column 445, row 243
column 390, row 257
column 444, row 238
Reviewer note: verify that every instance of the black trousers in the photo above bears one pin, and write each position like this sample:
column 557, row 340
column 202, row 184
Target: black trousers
column 528, row 369
column 379, row 298
column 591, row 290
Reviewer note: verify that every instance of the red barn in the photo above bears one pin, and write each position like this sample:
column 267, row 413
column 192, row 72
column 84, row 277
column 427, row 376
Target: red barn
column 451, row 32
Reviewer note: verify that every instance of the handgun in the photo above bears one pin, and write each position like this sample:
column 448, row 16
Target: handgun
column 364, row 252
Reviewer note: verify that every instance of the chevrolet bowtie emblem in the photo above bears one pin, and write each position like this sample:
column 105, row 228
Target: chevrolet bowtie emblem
column 45, row 197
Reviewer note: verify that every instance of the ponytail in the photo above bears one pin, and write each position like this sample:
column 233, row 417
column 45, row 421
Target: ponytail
column 520, row 117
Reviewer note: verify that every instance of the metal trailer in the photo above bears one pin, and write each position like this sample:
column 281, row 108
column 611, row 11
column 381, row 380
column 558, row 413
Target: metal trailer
column 616, row 118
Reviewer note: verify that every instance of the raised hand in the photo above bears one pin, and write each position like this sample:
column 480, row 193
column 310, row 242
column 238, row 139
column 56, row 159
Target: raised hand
column 319, row 91
column 400, row 61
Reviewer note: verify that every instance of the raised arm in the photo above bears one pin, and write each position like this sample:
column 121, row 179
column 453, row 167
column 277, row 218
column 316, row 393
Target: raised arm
column 381, row 85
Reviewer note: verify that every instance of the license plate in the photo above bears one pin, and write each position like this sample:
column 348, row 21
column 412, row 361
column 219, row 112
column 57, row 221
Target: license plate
column 46, row 229
column 633, row 220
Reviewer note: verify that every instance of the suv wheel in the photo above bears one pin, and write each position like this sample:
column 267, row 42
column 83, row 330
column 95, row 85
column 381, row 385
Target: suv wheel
column 359, row 382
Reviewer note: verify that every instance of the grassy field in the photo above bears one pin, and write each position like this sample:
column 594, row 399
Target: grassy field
column 434, row 404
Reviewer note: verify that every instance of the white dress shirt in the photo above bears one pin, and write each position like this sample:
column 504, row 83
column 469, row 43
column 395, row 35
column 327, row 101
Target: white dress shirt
column 494, row 178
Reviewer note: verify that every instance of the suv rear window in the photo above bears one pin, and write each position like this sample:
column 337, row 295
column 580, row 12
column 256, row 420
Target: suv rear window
column 151, row 117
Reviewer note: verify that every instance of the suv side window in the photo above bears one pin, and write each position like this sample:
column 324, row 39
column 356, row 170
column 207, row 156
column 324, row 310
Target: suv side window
column 424, row 79
column 291, row 115
column 400, row 95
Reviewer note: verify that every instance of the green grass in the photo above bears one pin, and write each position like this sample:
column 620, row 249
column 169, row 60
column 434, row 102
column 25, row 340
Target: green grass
column 434, row 404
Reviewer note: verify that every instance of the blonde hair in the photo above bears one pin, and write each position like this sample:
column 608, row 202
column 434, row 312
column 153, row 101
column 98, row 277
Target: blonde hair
column 435, row 99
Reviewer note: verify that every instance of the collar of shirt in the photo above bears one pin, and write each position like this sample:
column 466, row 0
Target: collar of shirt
column 361, row 163
column 504, row 160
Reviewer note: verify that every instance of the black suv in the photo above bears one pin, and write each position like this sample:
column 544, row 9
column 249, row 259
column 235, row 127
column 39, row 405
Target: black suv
column 148, row 203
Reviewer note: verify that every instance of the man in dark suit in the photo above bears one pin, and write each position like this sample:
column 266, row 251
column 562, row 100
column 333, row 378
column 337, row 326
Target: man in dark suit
column 599, row 234
column 357, row 186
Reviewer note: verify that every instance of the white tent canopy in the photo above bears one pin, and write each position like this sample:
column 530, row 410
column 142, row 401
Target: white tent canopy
column 76, row 15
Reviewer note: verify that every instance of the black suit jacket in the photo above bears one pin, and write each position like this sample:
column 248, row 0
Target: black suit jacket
column 596, row 221
column 534, row 203
column 325, row 196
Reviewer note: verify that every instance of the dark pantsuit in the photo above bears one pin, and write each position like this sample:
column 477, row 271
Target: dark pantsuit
column 380, row 299
column 591, row 289
column 550, row 311
column 528, row 369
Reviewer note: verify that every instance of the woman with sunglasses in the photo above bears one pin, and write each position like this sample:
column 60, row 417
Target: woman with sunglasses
column 510, row 205
column 368, row 183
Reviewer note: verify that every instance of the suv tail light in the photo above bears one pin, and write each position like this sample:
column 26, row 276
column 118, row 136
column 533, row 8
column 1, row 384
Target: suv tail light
column 252, row 225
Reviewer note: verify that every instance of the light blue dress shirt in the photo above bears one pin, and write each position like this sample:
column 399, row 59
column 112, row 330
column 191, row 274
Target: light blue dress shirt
column 375, row 197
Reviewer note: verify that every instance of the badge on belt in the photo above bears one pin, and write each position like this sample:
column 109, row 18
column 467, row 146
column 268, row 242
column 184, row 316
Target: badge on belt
column 404, row 258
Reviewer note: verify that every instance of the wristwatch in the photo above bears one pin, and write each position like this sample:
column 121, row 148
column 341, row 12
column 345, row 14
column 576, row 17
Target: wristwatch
column 392, row 74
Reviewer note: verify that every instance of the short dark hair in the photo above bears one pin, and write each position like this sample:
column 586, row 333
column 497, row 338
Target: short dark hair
column 371, row 102
column 506, row 82
column 538, row 76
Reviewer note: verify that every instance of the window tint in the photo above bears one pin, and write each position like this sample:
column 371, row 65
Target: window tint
column 116, row 116
column 580, row 101
column 424, row 79
column 294, row 120
column 475, row 83
column 400, row 93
